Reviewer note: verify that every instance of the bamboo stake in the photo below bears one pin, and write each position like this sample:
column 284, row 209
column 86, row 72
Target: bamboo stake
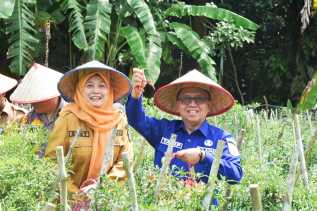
column 287, row 205
column 256, row 197
column 140, row 155
column 258, row 137
column 63, row 177
column 228, row 191
column 213, row 176
column 131, row 181
column 165, row 164
column 300, row 150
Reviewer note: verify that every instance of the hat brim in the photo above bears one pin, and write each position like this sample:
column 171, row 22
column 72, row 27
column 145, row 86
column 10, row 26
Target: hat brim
column 119, row 82
column 6, row 83
column 221, row 99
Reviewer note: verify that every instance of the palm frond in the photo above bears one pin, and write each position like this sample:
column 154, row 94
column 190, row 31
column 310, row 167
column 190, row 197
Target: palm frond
column 97, row 26
column 212, row 12
column 76, row 26
column 197, row 48
column 22, row 38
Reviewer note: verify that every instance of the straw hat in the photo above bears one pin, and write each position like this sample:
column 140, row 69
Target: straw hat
column 119, row 82
column 221, row 99
column 39, row 84
column 6, row 83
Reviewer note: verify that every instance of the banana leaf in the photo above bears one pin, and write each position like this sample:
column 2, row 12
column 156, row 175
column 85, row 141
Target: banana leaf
column 6, row 8
column 136, row 44
column 196, row 47
column 154, row 49
column 97, row 26
column 22, row 38
column 212, row 12
column 76, row 26
column 308, row 99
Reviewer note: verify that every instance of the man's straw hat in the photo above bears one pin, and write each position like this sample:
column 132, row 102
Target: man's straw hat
column 39, row 84
column 118, row 81
column 6, row 83
column 221, row 99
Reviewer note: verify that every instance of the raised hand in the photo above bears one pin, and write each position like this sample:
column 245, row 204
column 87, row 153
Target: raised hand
column 138, row 82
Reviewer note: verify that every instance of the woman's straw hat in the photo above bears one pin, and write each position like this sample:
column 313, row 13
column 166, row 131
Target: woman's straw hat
column 118, row 81
column 221, row 99
column 6, row 83
column 39, row 84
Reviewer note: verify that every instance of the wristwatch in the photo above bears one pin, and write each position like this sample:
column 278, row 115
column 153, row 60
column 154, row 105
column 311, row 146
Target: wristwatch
column 202, row 155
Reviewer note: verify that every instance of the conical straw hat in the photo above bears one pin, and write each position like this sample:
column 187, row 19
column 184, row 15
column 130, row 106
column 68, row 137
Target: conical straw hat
column 221, row 99
column 6, row 83
column 119, row 82
column 39, row 84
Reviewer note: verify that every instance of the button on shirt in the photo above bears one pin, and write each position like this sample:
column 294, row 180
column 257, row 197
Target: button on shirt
column 158, row 132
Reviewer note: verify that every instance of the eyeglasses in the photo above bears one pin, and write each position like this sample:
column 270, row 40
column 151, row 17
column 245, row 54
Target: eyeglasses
column 186, row 100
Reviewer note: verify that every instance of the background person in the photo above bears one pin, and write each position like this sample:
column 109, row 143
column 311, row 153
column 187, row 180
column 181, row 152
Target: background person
column 39, row 88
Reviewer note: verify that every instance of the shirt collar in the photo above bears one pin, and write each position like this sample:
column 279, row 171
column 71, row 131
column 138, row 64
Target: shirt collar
column 203, row 128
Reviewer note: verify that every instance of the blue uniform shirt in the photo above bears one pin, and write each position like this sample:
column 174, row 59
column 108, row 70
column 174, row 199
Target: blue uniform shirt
column 158, row 132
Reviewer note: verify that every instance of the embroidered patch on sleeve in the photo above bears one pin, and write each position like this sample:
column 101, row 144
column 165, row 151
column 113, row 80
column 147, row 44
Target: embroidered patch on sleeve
column 233, row 150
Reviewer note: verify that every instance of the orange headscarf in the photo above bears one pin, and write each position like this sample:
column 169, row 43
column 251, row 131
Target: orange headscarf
column 100, row 119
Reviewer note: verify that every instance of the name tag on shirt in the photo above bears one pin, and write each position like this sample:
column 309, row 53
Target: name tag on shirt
column 207, row 149
column 72, row 133
column 166, row 141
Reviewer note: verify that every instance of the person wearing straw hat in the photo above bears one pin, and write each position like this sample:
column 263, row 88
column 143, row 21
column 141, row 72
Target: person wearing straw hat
column 8, row 111
column 193, row 97
column 39, row 88
column 92, row 125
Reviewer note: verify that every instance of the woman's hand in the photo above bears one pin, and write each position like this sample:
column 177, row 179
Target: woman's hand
column 138, row 83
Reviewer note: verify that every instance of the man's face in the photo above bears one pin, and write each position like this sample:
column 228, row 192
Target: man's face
column 193, row 105
column 95, row 91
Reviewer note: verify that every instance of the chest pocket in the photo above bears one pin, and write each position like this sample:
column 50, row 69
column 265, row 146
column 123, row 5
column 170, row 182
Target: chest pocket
column 84, row 139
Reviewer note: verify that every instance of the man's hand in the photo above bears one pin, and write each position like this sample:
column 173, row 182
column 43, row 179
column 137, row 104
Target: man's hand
column 138, row 83
column 191, row 156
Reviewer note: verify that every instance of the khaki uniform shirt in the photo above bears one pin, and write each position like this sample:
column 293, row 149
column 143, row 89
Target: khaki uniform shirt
column 11, row 113
column 63, row 134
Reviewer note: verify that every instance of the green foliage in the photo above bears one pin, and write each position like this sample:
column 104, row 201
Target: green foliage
column 6, row 8
column 309, row 97
column 97, row 26
column 25, row 179
column 76, row 23
column 196, row 47
column 21, row 40
column 212, row 12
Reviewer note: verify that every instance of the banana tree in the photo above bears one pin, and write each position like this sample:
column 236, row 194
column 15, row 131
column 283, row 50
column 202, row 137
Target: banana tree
column 104, row 29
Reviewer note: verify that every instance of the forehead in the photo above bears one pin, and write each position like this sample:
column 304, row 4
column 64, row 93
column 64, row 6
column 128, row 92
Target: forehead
column 95, row 78
column 193, row 91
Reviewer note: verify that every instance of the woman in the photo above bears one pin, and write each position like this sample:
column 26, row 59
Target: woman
column 91, row 89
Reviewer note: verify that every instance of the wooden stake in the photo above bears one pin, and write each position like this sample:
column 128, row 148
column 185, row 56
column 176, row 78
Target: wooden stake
column 165, row 164
column 256, row 197
column 63, row 177
column 213, row 176
column 258, row 138
column 131, row 181
column 300, row 147
column 48, row 207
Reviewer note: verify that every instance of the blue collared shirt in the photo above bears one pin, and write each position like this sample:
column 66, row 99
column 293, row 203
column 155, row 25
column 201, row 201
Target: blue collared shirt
column 158, row 131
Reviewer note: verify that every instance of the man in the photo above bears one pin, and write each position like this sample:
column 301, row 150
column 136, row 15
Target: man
column 193, row 97
column 8, row 112
column 39, row 88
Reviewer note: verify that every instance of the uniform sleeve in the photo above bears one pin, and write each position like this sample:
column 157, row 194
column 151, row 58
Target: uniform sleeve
column 57, row 138
column 230, row 166
column 150, row 128
column 123, row 144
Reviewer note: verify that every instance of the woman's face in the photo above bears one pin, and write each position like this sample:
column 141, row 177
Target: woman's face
column 95, row 91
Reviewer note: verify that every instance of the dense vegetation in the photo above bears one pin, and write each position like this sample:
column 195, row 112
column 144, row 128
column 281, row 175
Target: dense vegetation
column 26, row 180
